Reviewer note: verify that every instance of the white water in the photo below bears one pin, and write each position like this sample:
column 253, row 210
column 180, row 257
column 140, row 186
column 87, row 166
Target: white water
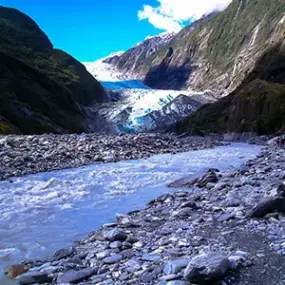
column 48, row 211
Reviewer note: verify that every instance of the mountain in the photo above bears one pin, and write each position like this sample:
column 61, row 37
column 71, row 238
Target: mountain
column 257, row 105
column 129, row 64
column 41, row 89
column 218, row 51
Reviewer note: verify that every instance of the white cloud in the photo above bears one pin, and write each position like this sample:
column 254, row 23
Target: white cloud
column 172, row 15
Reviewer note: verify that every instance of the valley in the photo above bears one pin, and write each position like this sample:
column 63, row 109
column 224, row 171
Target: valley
column 162, row 164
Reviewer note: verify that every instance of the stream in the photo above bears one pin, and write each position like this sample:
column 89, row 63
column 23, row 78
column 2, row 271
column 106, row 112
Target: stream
column 44, row 212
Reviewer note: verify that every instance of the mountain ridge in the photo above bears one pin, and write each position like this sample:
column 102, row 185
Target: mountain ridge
column 42, row 89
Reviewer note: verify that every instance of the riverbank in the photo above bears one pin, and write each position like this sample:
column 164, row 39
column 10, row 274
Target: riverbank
column 21, row 155
column 206, row 226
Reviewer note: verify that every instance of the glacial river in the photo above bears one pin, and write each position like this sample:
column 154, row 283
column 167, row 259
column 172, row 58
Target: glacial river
column 48, row 211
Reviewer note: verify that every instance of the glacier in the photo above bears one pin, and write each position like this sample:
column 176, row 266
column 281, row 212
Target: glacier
column 134, row 107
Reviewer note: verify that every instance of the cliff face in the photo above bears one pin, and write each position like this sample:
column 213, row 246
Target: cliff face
column 218, row 51
column 258, row 105
column 132, row 62
column 42, row 89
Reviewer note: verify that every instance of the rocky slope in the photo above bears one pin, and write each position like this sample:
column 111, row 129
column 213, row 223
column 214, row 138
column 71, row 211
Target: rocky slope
column 256, row 106
column 218, row 51
column 129, row 64
column 42, row 89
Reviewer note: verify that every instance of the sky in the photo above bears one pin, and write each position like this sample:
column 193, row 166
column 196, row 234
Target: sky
column 92, row 29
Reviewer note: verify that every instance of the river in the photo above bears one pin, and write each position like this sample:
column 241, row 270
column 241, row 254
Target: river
column 48, row 211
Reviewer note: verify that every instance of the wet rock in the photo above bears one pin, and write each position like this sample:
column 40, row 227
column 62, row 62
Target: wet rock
column 207, row 267
column 62, row 253
column 209, row 177
column 175, row 266
column 183, row 182
column 73, row 276
column 268, row 205
column 34, row 277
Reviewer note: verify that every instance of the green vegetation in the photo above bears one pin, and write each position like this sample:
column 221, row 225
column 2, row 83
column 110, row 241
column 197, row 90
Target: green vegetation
column 41, row 89
column 257, row 107
column 214, row 45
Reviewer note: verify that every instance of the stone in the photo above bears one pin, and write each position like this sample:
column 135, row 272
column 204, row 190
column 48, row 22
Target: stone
column 33, row 277
column 177, row 282
column 207, row 267
column 183, row 182
column 151, row 257
column 115, row 244
column 209, row 177
column 115, row 235
column 112, row 259
column 268, row 205
column 175, row 266
column 281, row 190
column 17, row 269
column 62, row 253
column 226, row 217
column 73, row 276
column 133, row 265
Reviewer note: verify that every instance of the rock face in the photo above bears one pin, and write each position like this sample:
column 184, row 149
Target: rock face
column 218, row 51
column 132, row 62
column 42, row 89
column 256, row 106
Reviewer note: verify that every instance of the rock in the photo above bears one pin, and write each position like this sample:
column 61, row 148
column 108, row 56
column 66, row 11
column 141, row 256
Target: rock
column 189, row 204
column 183, row 182
column 112, row 259
column 115, row 244
column 133, row 265
column 175, row 266
column 207, row 267
column 226, row 217
column 281, row 190
column 33, row 277
column 73, row 276
column 62, row 253
column 209, row 177
column 18, row 269
column 184, row 212
column 268, row 205
column 151, row 257
column 115, row 235
column 177, row 282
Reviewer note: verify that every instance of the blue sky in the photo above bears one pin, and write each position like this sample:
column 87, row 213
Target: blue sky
column 92, row 29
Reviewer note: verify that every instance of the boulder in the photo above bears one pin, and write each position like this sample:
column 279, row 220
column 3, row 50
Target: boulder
column 207, row 267
column 115, row 235
column 62, row 253
column 73, row 276
column 268, row 205
column 34, row 277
